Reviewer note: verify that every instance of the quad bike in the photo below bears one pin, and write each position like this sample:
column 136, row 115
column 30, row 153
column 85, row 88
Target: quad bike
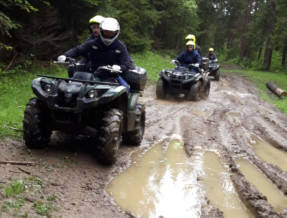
column 214, row 69
column 85, row 105
column 180, row 81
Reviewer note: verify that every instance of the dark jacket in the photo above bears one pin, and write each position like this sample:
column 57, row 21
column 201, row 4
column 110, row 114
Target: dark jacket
column 198, row 49
column 185, row 58
column 101, row 54
column 211, row 56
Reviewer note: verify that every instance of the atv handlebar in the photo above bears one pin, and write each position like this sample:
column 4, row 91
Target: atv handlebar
column 68, row 61
column 109, row 68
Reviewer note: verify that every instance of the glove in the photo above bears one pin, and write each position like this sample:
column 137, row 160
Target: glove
column 116, row 68
column 173, row 61
column 62, row 58
column 196, row 65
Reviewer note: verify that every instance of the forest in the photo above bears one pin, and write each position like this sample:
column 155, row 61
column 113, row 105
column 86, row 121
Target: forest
column 252, row 33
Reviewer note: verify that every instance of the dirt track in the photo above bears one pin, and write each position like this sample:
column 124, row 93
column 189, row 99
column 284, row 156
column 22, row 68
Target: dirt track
column 227, row 122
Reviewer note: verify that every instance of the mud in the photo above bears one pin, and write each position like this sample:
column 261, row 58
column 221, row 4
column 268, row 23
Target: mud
column 225, row 123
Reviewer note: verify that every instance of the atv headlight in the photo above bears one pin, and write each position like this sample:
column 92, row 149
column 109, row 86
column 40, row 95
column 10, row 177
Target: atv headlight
column 92, row 93
column 187, row 76
column 48, row 88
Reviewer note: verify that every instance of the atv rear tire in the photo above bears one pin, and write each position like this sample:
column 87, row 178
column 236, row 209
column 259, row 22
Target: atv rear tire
column 216, row 75
column 135, row 137
column 35, row 130
column 110, row 136
column 160, row 90
column 194, row 91
column 204, row 89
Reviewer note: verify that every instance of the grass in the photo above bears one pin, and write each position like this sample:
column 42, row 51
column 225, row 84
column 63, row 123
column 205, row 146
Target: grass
column 15, row 86
column 15, row 198
column 15, row 188
column 260, row 78
column 153, row 63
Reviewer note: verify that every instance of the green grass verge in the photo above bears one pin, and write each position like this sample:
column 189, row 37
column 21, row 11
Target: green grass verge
column 153, row 63
column 15, row 92
column 259, row 79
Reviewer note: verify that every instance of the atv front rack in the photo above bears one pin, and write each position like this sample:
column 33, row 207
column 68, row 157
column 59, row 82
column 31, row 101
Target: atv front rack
column 79, row 80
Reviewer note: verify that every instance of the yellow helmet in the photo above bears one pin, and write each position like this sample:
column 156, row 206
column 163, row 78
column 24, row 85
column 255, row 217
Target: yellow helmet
column 188, row 43
column 190, row 37
column 96, row 19
column 210, row 49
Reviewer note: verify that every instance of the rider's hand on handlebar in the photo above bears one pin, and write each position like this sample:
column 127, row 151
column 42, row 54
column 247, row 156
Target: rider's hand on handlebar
column 116, row 68
column 62, row 58
column 196, row 65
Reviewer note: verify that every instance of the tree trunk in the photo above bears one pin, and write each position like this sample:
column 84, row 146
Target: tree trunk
column 259, row 53
column 284, row 52
column 244, row 29
column 267, row 54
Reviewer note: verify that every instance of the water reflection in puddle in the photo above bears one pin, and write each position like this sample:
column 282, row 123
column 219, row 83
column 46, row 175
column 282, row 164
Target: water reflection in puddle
column 160, row 183
column 219, row 188
column 164, row 182
column 263, row 184
column 269, row 153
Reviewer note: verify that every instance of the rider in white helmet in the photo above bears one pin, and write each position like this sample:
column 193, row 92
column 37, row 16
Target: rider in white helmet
column 106, row 50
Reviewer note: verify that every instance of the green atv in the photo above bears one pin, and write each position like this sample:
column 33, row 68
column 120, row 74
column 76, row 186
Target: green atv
column 85, row 105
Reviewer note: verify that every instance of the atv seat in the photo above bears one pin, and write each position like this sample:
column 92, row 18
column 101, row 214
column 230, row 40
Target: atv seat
column 82, row 76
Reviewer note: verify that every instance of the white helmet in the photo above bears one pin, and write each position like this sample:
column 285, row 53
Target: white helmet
column 109, row 24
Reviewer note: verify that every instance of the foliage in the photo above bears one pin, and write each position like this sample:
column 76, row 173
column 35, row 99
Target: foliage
column 6, row 22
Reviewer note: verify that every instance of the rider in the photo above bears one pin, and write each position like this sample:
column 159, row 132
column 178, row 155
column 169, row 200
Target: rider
column 95, row 26
column 95, row 30
column 106, row 50
column 190, row 56
column 211, row 55
column 191, row 37
column 94, row 23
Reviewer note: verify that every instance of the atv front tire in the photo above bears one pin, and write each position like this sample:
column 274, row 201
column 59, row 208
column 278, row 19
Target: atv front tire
column 135, row 137
column 194, row 91
column 110, row 136
column 205, row 89
column 160, row 90
column 36, row 132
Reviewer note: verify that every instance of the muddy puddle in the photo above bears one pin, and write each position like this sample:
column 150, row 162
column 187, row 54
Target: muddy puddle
column 164, row 181
column 274, row 196
column 160, row 182
column 268, row 153
column 219, row 188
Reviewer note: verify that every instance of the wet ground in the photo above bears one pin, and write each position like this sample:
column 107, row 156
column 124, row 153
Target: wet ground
column 220, row 157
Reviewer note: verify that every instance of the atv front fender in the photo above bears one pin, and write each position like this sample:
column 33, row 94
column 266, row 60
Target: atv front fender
column 133, row 99
column 112, row 94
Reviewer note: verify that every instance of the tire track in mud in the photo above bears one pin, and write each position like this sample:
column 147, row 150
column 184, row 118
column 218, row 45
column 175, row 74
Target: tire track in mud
column 236, row 113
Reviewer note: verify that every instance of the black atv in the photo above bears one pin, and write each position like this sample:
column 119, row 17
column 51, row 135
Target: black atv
column 181, row 82
column 85, row 105
column 214, row 69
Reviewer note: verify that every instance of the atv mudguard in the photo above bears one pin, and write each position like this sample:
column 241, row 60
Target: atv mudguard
column 133, row 100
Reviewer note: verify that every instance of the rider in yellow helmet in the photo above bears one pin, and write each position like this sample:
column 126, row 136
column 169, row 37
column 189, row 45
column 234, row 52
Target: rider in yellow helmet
column 95, row 26
column 211, row 55
column 190, row 56
column 191, row 37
